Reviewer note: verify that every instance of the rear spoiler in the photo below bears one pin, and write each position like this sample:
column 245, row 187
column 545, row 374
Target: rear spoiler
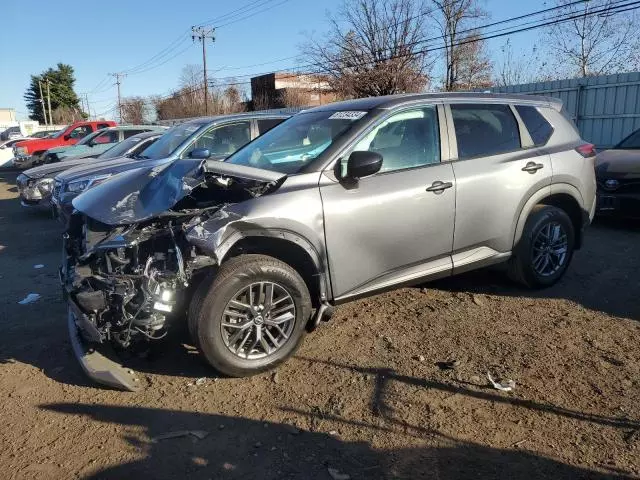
column 555, row 103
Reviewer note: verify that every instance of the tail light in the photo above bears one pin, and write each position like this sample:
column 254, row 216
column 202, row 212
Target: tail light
column 587, row 150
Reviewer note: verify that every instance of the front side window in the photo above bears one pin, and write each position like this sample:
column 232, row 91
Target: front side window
column 484, row 130
column 290, row 146
column 80, row 132
column 224, row 139
column 405, row 140
column 168, row 143
column 538, row 127
column 631, row 142
column 110, row 136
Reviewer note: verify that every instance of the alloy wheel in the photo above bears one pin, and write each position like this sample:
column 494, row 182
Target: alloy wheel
column 550, row 249
column 258, row 320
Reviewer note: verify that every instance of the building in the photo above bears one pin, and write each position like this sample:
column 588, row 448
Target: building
column 281, row 90
column 7, row 115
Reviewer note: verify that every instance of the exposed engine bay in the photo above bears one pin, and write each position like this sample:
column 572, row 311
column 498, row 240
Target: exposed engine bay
column 127, row 281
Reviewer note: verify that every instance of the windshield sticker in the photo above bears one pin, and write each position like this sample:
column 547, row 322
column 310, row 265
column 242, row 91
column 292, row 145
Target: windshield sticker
column 350, row 115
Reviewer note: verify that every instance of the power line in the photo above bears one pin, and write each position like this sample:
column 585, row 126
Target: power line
column 234, row 13
column 252, row 14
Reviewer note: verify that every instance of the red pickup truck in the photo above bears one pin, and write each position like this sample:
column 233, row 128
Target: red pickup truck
column 31, row 152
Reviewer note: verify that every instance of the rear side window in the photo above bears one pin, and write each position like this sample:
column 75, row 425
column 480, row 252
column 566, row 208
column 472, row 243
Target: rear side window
column 131, row 133
column 266, row 124
column 538, row 127
column 483, row 130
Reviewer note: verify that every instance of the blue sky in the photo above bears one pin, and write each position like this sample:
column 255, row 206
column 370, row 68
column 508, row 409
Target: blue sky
column 118, row 35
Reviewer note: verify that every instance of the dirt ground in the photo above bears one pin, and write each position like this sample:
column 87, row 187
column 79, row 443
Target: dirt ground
column 368, row 395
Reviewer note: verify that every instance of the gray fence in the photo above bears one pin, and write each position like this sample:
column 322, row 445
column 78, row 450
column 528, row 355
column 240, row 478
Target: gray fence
column 606, row 108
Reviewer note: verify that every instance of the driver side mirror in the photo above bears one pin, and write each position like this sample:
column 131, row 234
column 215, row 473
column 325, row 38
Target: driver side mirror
column 363, row 164
column 200, row 153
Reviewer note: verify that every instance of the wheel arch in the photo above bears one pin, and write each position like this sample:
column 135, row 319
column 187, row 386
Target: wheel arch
column 286, row 246
column 563, row 196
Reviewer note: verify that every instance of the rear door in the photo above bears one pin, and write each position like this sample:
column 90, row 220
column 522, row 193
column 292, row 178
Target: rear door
column 497, row 169
column 392, row 227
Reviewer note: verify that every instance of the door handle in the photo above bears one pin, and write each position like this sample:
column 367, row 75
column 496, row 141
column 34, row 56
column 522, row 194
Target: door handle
column 438, row 187
column 532, row 167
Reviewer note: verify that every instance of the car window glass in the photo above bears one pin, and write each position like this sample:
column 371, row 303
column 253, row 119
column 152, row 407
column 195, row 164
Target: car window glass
column 107, row 137
column 632, row 141
column 405, row 140
column 131, row 133
column 266, row 124
column 225, row 139
column 81, row 131
column 483, row 130
column 538, row 127
column 103, row 125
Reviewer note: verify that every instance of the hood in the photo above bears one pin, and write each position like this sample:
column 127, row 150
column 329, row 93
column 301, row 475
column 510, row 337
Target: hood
column 618, row 164
column 40, row 143
column 63, row 148
column 51, row 169
column 146, row 192
column 99, row 167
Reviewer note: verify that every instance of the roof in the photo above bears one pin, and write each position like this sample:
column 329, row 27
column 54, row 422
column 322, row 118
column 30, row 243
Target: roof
column 237, row 116
column 391, row 101
column 134, row 127
column 150, row 133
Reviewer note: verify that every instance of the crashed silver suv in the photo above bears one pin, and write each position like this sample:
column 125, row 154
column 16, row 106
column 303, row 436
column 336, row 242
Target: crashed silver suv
column 337, row 203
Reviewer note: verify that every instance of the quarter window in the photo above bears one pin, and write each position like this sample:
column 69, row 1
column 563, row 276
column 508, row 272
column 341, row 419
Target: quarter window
column 538, row 127
column 405, row 140
column 484, row 130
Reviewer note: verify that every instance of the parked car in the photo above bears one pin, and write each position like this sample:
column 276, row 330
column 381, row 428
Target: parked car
column 207, row 137
column 11, row 133
column 337, row 203
column 36, row 184
column 6, row 152
column 44, row 134
column 618, row 176
column 98, row 142
column 30, row 152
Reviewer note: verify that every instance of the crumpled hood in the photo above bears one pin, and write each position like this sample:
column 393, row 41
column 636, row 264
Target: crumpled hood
column 51, row 169
column 140, row 194
column 618, row 164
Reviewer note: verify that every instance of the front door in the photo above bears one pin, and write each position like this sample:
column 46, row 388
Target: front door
column 395, row 226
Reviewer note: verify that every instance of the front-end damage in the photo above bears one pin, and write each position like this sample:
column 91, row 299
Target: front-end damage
column 128, row 262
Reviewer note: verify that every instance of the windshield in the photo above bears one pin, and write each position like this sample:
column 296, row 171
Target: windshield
column 121, row 149
column 294, row 143
column 171, row 140
column 631, row 142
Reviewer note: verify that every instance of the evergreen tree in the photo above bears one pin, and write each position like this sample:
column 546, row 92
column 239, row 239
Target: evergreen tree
column 63, row 96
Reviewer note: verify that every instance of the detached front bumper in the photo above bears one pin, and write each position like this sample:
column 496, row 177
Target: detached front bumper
column 97, row 359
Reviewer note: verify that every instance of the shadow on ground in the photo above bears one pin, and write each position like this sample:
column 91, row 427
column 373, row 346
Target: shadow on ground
column 244, row 448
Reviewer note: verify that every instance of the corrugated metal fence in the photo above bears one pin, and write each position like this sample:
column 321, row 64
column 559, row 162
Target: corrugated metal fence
column 606, row 108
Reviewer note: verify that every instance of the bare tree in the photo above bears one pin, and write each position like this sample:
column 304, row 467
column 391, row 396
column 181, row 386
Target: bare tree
column 133, row 110
column 594, row 43
column 295, row 97
column 525, row 67
column 373, row 48
column 455, row 20
column 66, row 114
column 473, row 64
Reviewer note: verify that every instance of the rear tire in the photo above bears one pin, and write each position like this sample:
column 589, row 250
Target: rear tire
column 545, row 249
column 233, row 323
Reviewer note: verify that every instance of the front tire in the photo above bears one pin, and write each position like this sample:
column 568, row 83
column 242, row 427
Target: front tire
column 545, row 249
column 252, row 316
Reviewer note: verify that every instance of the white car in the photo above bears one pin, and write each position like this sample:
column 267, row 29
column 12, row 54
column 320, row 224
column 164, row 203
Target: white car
column 6, row 152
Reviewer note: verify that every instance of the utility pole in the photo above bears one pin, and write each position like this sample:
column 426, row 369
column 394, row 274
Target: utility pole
column 203, row 34
column 44, row 110
column 117, row 76
column 49, row 99
column 86, row 100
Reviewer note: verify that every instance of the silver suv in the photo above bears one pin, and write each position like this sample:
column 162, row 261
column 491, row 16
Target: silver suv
column 337, row 203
